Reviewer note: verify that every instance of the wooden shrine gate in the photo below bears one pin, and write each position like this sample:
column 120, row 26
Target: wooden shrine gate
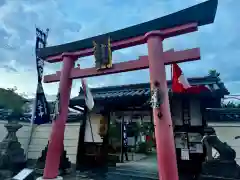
column 153, row 33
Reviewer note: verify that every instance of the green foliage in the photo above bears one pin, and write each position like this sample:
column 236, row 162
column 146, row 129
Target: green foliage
column 136, row 128
column 230, row 104
column 213, row 73
column 143, row 147
column 147, row 128
column 115, row 131
column 9, row 99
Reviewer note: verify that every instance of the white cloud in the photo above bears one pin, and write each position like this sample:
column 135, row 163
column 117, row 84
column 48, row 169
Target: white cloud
column 81, row 19
column 25, row 79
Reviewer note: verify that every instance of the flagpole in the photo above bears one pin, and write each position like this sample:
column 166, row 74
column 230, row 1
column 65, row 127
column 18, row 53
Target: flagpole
column 32, row 126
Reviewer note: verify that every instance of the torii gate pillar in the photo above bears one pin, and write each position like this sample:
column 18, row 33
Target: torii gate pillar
column 166, row 156
column 55, row 145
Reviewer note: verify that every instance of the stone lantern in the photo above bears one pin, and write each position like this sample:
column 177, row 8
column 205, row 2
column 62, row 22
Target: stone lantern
column 12, row 158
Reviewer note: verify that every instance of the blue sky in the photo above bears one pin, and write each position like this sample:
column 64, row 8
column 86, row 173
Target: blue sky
column 219, row 42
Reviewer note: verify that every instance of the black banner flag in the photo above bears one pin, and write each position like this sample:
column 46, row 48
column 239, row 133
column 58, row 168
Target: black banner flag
column 41, row 112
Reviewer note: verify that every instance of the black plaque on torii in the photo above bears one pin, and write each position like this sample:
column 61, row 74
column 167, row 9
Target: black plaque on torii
column 102, row 53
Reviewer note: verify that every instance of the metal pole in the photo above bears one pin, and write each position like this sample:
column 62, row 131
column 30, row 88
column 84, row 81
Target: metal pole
column 31, row 128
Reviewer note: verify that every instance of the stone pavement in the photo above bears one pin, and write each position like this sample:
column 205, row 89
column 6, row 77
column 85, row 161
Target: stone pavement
column 144, row 169
column 135, row 157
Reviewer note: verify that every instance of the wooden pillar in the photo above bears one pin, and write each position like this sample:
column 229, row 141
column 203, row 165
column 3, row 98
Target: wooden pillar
column 105, row 143
column 56, row 145
column 81, row 141
column 166, row 155
column 122, row 144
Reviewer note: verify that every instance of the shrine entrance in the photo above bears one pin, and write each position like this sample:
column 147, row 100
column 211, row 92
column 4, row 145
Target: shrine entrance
column 153, row 33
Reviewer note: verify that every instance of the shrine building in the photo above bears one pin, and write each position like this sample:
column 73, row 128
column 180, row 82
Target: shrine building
column 131, row 103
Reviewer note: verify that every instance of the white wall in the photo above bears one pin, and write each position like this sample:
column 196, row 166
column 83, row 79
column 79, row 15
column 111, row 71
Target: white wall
column 41, row 134
column 40, row 139
column 22, row 133
column 227, row 133
column 95, row 122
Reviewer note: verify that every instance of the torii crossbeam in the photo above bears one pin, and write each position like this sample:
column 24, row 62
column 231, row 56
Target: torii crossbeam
column 132, row 65
column 153, row 34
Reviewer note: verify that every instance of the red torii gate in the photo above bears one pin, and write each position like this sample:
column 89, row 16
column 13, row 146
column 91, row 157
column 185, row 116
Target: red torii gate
column 155, row 61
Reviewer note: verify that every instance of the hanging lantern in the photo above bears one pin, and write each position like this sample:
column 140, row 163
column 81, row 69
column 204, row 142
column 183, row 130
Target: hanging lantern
column 103, row 126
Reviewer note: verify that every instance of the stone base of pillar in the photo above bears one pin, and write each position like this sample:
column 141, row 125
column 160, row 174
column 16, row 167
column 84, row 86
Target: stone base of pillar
column 57, row 178
column 65, row 164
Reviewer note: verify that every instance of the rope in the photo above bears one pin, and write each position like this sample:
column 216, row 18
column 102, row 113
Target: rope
column 89, row 120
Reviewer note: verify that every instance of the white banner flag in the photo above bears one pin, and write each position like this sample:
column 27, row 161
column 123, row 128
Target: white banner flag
column 88, row 95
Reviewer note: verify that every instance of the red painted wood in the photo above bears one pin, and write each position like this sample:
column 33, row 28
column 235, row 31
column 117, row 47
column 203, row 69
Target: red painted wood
column 167, row 33
column 165, row 145
column 56, row 144
column 142, row 63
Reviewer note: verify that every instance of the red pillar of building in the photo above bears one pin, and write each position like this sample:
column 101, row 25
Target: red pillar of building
column 56, row 144
column 166, row 153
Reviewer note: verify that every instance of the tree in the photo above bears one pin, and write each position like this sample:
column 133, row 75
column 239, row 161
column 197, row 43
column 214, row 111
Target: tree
column 230, row 104
column 10, row 100
column 213, row 73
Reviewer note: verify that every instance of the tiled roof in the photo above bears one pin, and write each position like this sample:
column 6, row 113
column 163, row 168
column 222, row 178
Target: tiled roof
column 143, row 89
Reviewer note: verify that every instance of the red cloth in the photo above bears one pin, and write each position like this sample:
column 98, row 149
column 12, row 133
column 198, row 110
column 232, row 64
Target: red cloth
column 176, row 85
column 180, row 83
column 148, row 138
column 197, row 89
